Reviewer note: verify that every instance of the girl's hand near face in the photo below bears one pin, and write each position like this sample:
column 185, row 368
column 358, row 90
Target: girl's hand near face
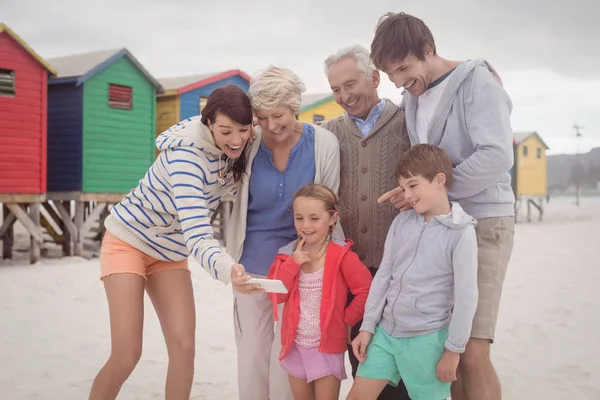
column 300, row 256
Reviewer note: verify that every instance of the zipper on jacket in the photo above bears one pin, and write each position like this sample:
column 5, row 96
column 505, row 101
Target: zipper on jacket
column 332, row 295
column 405, row 271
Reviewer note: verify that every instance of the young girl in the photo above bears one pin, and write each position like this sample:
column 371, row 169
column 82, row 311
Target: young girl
column 154, row 229
column 318, row 274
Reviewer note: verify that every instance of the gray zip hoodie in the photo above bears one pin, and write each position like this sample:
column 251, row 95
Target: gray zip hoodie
column 472, row 124
column 427, row 279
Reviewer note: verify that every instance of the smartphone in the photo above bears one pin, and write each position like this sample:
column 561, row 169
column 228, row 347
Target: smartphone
column 269, row 285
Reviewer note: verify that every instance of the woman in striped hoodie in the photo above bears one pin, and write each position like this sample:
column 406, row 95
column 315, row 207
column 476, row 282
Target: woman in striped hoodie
column 154, row 229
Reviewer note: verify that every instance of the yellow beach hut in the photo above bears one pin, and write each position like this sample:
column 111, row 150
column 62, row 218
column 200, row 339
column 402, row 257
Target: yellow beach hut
column 529, row 173
column 530, row 170
column 318, row 107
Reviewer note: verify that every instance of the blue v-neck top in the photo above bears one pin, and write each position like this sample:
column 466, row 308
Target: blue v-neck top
column 270, row 221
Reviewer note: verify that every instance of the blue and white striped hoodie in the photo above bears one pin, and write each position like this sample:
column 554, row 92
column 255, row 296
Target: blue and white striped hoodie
column 167, row 216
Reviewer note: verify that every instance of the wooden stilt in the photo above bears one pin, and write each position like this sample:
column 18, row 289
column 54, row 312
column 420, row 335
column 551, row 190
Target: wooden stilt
column 7, row 243
column 33, row 227
column 538, row 204
column 92, row 219
column 79, row 219
column 7, row 232
column 51, row 212
column 7, row 221
column 68, row 217
column 539, row 207
column 25, row 208
column 80, row 212
column 47, row 225
column 35, row 248
column 68, row 227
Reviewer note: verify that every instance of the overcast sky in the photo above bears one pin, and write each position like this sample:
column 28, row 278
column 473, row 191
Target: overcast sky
column 547, row 52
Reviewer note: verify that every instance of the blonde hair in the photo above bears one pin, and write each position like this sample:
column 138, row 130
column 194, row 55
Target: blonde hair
column 275, row 87
column 322, row 193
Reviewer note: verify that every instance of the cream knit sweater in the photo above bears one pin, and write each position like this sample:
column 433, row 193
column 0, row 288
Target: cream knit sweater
column 368, row 165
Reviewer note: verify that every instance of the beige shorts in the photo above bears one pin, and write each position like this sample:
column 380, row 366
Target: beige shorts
column 495, row 238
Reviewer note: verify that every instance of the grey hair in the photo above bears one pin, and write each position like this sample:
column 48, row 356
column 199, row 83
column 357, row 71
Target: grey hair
column 358, row 53
column 275, row 87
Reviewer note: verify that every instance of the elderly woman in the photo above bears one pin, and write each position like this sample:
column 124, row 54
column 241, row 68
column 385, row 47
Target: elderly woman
column 289, row 155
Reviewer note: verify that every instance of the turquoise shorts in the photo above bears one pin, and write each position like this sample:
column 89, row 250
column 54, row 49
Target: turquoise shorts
column 413, row 360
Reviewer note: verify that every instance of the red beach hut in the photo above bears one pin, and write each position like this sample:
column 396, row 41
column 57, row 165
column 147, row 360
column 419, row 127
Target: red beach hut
column 23, row 116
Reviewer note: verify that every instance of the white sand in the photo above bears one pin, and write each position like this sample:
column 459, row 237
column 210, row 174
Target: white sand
column 54, row 332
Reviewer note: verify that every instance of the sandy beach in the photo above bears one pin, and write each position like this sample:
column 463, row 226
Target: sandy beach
column 54, row 332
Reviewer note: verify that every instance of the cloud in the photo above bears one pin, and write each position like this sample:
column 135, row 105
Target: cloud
column 515, row 34
column 512, row 34
column 545, row 51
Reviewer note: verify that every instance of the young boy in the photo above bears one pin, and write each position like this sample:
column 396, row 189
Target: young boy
column 422, row 301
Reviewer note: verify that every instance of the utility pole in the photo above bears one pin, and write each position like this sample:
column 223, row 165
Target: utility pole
column 578, row 171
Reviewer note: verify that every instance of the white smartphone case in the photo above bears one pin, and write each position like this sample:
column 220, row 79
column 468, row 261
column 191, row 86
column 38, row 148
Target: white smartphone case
column 269, row 285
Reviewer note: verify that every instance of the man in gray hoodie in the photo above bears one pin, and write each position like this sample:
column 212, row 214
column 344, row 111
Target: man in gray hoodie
column 461, row 107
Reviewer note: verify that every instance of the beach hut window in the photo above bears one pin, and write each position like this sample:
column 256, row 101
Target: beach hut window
column 539, row 153
column 318, row 118
column 524, row 151
column 7, row 82
column 120, row 97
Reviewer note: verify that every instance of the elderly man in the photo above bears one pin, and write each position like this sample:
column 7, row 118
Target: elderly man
column 372, row 137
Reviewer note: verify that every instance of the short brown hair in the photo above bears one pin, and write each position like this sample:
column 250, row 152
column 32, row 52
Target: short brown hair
column 397, row 36
column 427, row 161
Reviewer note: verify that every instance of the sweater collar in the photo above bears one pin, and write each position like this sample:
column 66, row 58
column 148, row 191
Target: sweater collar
column 388, row 112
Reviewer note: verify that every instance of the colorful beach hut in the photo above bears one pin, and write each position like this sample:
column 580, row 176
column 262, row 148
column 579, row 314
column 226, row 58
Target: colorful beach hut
column 23, row 139
column 530, row 169
column 529, row 173
column 23, row 107
column 184, row 97
column 318, row 107
column 101, row 116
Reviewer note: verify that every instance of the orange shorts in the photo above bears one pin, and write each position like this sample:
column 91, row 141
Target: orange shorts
column 118, row 257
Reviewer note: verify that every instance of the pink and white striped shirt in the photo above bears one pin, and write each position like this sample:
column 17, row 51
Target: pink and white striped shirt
column 310, row 288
